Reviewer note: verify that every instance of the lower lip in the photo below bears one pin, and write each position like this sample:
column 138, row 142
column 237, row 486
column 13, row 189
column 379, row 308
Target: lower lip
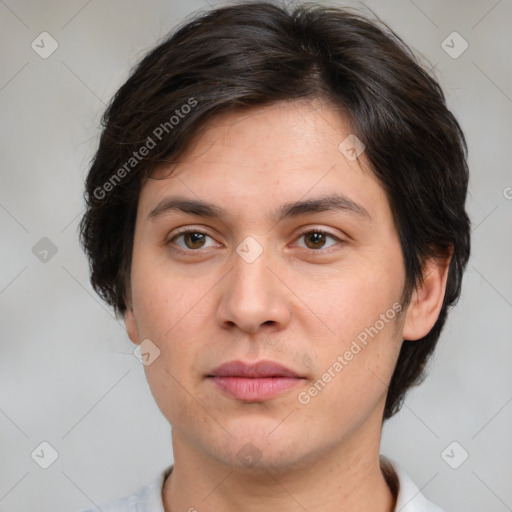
column 254, row 390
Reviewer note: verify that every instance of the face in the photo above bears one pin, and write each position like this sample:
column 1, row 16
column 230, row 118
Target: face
column 291, row 257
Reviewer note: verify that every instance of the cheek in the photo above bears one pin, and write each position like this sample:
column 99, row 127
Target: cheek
column 166, row 314
column 170, row 392
column 361, row 310
column 162, row 299
column 169, row 320
column 352, row 379
column 350, row 300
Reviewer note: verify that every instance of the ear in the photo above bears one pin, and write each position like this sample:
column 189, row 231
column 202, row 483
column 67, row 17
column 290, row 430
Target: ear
column 131, row 325
column 427, row 298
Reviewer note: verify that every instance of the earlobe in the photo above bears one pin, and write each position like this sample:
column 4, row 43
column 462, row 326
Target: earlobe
column 427, row 299
column 131, row 325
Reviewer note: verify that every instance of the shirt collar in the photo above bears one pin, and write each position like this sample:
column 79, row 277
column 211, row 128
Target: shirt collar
column 409, row 497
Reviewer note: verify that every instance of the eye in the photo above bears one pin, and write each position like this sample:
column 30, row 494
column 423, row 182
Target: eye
column 316, row 239
column 192, row 240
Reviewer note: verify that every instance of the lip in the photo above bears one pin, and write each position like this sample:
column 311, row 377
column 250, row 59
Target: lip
column 258, row 370
column 254, row 382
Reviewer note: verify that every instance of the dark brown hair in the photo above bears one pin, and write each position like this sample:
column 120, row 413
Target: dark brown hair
column 254, row 54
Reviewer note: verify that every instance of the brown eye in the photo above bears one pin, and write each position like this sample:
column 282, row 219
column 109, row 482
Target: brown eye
column 317, row 239
column 192, row 240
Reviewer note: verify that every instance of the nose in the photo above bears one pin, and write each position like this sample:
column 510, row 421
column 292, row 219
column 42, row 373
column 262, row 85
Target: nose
column 253, row 296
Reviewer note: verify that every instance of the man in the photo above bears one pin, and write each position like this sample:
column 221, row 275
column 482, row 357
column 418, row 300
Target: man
column 277, row 210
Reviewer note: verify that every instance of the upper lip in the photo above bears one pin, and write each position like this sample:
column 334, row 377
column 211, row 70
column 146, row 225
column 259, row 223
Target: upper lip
column 260, row 369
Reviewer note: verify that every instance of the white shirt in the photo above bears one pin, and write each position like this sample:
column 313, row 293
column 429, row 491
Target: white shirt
column 149, row 497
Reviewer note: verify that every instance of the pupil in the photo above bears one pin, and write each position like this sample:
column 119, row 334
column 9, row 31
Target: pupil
column 316, row 239
column 196, row 239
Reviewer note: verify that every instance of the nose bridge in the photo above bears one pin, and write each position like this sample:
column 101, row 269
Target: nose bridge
column 252, row 294
column 252, row 280
column 252, row 277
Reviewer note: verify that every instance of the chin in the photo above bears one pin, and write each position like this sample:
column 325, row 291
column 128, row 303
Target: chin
column 258, row 451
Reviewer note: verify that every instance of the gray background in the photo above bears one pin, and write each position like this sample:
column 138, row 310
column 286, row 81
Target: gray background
column 67, row 373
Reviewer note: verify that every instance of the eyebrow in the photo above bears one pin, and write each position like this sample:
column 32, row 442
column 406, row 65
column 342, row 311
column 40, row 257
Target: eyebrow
column 288, row 210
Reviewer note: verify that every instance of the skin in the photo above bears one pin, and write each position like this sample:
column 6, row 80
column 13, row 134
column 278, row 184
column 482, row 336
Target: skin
column 301, row 303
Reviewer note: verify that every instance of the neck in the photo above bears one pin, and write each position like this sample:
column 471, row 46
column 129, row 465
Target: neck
column 341, row 480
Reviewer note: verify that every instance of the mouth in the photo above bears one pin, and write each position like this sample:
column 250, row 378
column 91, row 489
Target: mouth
column 254, row 382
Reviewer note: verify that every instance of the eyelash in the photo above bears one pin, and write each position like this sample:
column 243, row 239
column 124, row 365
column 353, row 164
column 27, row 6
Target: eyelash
column 201, row 232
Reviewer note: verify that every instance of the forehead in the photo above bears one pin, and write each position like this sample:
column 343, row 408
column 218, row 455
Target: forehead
column 246, row 161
